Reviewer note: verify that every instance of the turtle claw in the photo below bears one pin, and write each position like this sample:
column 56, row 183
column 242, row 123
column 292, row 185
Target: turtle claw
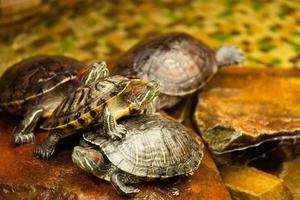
column 43, row 151
column 118, row 133
column 130, row 191
column 23, row 138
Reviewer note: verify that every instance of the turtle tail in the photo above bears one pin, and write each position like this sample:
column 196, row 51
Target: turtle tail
column 228, row 55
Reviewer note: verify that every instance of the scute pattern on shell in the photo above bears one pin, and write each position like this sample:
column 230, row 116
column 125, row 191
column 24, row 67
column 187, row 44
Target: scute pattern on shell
column 179, row 61
column 85, row 99
column 153, row 147
column 35, row 76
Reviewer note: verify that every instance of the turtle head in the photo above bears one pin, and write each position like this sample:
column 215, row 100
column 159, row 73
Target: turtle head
column 143, row 94
column 95, row 72
column 89, row 160
column 228, row 55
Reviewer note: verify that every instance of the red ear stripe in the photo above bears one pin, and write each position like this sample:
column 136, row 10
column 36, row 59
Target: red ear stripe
column 137, row 90
column 81, row 72
column 95, row 156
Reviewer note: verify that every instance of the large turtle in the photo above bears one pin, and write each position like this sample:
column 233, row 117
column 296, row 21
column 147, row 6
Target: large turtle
column 179, row 61
column 34, row 87
column 98, row 102
column 153, row 148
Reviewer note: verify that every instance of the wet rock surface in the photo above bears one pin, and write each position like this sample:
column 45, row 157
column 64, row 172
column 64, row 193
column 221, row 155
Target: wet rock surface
column 291, row 175
column 24, row 177
column 244, row 106
column 250, row 183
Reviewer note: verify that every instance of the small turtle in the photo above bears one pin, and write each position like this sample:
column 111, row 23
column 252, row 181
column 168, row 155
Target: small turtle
column 98, row 102
column 34, row 87
column 153, row 148
column 179, row 61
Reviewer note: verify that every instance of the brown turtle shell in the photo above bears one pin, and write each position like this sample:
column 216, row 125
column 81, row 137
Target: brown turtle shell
column 35, row 76
column 179, row 61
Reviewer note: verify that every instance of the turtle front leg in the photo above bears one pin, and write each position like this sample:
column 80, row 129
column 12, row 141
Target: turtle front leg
column 23, row 132
column 118, row 180
column 112, row 128
column 46, row 149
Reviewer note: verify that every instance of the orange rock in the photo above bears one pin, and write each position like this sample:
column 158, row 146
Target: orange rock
column 243, row 106
column 291, row 175
column 250, row 183
column 21, row 175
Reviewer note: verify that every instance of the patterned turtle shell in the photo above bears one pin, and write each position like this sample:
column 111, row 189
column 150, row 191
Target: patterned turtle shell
column 84, row 104
column 179, row 61
column 35, row 76
column 153, row 147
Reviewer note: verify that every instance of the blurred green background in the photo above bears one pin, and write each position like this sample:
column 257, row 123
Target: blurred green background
column 267, row 30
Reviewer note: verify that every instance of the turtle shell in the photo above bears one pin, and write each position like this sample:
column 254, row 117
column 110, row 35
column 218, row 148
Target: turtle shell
column 84, row 104
column 35, row 76
column 153, row 147
column 179, row 61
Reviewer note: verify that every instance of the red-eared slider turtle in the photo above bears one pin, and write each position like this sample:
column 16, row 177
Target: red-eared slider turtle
column 179, row 61
column 153, row 148
column 98, row 102
column 34, row 87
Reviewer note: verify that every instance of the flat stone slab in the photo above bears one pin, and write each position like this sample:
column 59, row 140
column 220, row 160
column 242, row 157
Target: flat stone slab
column 22, row 176
column 244, row 106
column 250, row 183
column 291, row 175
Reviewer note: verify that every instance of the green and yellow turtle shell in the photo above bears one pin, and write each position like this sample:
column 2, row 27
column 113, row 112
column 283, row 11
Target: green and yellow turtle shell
column 154, row 147
column 85, row 105
column 179, row 61
column 26, row 82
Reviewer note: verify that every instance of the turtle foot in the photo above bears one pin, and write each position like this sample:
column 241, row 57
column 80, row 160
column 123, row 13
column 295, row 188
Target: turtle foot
column 130, row 191
column 43, row 151
column 23, row 138
column 117, row 133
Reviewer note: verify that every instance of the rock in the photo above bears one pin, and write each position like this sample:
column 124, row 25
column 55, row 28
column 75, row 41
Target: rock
column 285, row 152
column 249, row 183
column 241, row 107
column 291, row 175
column 24, row 177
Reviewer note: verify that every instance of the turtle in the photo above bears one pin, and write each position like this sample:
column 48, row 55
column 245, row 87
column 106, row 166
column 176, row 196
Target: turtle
column 153, row 148
column 98, row 102
column 182, row 64
column 34, row 87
